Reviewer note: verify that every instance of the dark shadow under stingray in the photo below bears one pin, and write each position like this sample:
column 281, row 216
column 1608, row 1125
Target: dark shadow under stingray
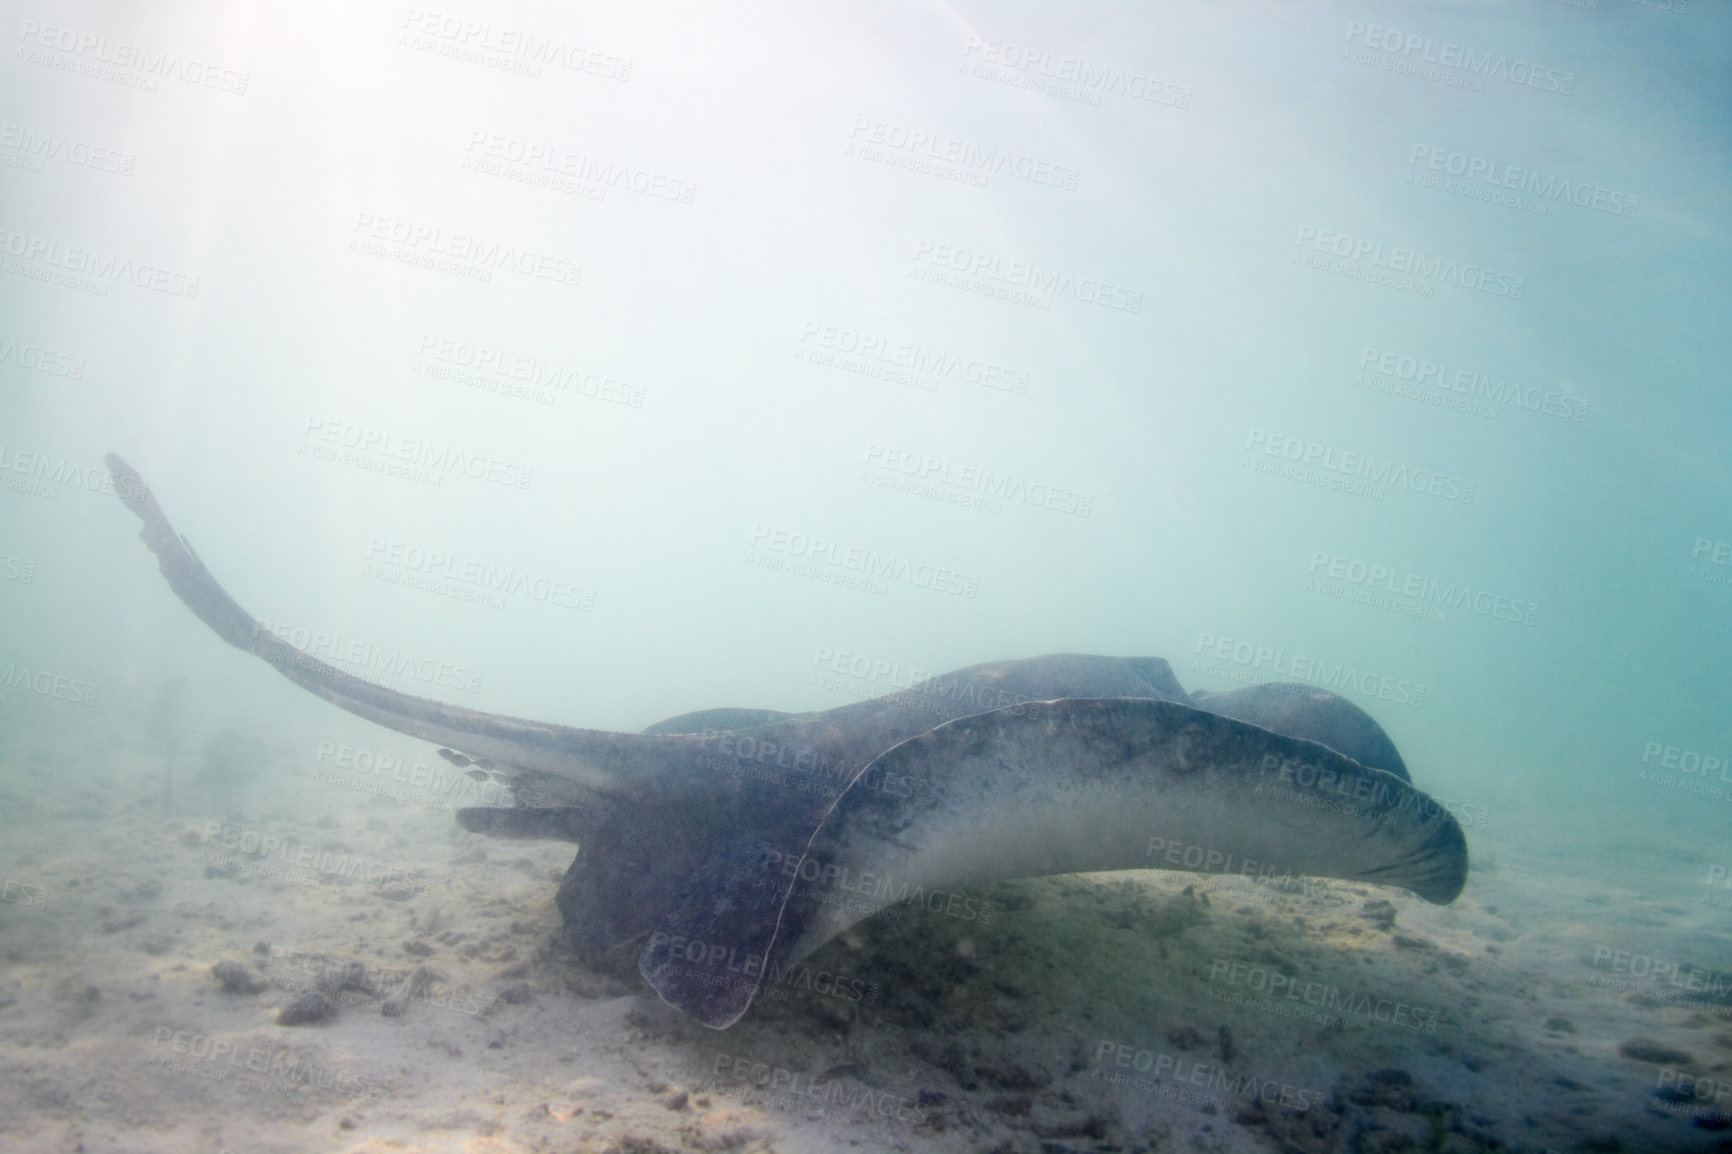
column 740, row 840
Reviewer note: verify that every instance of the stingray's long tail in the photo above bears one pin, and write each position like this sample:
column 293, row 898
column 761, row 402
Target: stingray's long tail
column 583, row 755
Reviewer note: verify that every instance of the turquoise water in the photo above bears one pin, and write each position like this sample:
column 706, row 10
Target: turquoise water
column 601, row 366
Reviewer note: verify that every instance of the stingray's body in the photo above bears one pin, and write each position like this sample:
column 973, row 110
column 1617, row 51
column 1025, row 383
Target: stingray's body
column 739, row 840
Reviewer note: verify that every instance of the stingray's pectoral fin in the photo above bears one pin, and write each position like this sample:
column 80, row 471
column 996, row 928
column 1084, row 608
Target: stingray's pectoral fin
column 1314, row 714
column 709, row 956
column 1079, row 786
column 554, row 823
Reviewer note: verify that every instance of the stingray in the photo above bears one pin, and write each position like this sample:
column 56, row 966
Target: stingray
column 728, row 844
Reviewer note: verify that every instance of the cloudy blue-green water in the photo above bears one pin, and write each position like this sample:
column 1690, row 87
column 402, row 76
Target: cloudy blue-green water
column 599, row 365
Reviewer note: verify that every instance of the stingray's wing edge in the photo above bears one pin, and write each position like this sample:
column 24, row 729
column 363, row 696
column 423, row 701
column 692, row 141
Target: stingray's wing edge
column 981, row 799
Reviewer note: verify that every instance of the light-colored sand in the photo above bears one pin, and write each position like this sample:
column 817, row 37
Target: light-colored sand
column 1113, row 1012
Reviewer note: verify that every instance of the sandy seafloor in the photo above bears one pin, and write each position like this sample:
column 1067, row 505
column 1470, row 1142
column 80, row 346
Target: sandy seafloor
column 1114, row 1012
